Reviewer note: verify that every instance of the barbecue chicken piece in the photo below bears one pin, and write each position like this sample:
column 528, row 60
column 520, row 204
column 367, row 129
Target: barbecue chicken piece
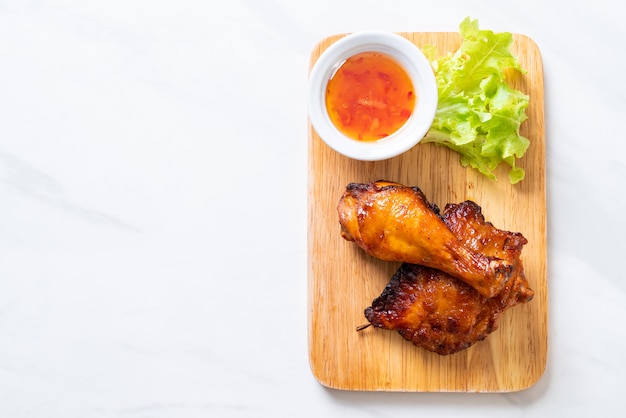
column 441, row 313
column 396, row 223
column 468, row 224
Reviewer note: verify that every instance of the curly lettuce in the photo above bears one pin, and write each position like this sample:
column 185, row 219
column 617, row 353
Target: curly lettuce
column 478, row 114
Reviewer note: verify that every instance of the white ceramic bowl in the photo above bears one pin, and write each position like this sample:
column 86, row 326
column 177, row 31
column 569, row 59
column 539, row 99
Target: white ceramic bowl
column 414, row 63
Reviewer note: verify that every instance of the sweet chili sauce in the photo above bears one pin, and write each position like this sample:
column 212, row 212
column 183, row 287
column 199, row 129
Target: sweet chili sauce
column 370, row 96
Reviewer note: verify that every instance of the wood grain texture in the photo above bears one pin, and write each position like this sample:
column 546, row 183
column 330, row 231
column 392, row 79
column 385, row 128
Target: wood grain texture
column 343, row 281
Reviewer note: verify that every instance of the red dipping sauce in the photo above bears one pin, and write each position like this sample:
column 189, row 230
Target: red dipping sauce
column 370, row 96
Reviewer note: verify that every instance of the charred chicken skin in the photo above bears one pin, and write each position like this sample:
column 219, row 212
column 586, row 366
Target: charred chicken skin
column 440, row 313
column 397, row 223
column 433, row 310
column 468, row 224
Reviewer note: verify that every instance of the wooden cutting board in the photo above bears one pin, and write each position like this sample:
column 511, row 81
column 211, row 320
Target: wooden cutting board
column 343, row 281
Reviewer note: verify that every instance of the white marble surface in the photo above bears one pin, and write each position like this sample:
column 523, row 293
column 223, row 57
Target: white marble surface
column 153, row 207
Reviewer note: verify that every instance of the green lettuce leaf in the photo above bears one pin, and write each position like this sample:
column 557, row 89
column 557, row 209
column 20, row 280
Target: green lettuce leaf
column 478, row 113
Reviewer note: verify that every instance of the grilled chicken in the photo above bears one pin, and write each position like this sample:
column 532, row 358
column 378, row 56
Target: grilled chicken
column 397, row 223
column 468, row 224
column 440, row 313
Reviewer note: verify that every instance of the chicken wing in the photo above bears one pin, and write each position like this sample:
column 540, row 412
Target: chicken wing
column 433, row 310
column 467, row 223
column 397, row 223
column 440, row 313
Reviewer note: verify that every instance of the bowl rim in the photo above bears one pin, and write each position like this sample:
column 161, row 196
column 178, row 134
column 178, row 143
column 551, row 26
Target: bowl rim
column 412, row 60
